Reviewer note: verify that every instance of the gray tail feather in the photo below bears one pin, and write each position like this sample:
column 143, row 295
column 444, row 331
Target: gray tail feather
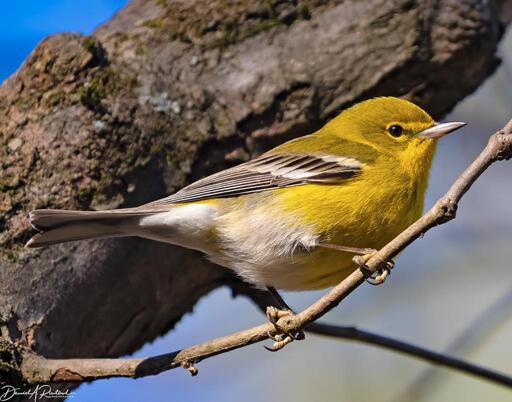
column 59, row 226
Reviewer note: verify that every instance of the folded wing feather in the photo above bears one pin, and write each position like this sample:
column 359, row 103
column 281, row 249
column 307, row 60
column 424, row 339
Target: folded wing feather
column 268, row 172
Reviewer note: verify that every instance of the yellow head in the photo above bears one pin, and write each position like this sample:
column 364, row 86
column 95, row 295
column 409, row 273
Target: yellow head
column 391, row 125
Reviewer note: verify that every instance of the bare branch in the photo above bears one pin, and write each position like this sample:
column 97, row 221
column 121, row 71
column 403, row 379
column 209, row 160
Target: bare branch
column 479, row 330
column 77, row 370
column 38, row 369
column 408, row 349
column 262, row 299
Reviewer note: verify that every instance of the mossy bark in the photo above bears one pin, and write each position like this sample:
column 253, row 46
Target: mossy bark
column 167, row 92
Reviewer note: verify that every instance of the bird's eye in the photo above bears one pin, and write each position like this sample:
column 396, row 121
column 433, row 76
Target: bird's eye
column 396, row 130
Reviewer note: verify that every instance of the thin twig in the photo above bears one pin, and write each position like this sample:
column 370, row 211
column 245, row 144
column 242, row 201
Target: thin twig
column 261, row 299
column 38, row 369
column 406, row 348
column 470, row 339
column 78, row 370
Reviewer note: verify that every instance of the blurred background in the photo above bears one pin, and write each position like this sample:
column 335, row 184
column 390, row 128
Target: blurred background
column 451, row 291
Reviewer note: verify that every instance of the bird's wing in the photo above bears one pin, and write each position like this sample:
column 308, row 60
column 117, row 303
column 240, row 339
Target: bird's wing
column 269, row 171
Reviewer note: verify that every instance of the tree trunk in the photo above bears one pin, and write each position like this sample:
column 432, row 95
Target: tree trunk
column 167, row 92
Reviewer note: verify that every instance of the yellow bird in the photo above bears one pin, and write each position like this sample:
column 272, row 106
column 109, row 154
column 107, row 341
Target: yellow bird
column 357, row 182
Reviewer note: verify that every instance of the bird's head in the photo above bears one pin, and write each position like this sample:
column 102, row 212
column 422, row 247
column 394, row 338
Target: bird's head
column 391, row 125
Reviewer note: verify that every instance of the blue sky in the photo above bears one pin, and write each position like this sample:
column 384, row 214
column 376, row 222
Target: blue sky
column 24, row 23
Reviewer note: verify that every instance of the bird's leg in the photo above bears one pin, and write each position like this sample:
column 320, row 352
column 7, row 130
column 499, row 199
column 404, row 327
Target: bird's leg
column 278, row 300
column 274, row 314
column 352, row 250
column 363, row 255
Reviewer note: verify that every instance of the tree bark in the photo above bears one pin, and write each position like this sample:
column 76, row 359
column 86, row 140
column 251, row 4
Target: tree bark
column 167, row 92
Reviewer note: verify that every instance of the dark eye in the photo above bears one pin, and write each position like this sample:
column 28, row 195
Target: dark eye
column 395, row 130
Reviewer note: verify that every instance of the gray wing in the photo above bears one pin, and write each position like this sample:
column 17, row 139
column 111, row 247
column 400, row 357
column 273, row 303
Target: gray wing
column 266, row 173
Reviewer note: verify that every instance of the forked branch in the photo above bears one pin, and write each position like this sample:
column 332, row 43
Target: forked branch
column 37, row 369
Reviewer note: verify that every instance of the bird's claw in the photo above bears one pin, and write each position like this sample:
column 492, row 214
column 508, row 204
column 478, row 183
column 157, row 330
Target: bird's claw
column 374, row 278
column 280, row 338
column 280, row 344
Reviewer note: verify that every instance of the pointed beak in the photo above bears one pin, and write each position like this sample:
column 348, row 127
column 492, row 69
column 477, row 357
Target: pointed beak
column 441, row 129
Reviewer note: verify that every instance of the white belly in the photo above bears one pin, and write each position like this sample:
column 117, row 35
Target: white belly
column 263, row 249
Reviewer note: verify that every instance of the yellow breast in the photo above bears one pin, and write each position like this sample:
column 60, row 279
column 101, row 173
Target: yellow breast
column 360, row 213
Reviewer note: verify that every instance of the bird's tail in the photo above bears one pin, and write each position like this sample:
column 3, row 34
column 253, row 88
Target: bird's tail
column 59, row 226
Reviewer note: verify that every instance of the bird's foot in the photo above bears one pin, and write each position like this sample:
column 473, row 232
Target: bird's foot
column 281, row 338
column 363, row 255
column 377, row 277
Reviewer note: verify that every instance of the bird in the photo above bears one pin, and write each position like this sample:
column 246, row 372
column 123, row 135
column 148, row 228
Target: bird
column 291, row 218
